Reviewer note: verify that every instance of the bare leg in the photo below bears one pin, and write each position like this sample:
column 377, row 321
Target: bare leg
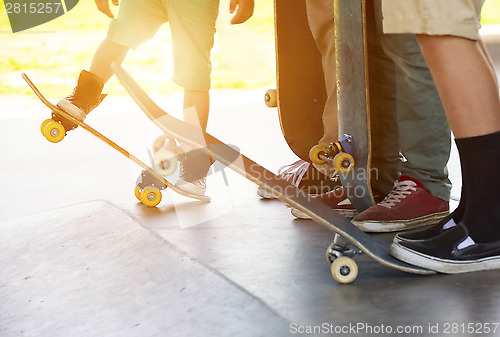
column 200, row 100
column 107, row 53
column 466, row 83
column 482, row 47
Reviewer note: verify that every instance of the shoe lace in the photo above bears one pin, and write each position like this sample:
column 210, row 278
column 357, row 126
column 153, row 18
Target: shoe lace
column 400, row 191
column 294, row 172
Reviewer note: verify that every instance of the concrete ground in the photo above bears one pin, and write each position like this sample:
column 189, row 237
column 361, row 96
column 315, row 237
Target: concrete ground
column 79, row 256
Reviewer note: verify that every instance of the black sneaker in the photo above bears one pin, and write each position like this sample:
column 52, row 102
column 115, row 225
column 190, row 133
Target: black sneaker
column 85, row 97
column 428, row 232
column 451, row 252
column 194, row 170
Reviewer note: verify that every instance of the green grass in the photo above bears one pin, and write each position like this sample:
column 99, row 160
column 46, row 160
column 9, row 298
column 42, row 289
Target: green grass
column 55, row 52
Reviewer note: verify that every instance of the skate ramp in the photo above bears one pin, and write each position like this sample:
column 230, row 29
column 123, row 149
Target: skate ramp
column 92, row 270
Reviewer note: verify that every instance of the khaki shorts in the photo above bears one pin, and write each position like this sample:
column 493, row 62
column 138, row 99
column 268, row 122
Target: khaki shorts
column 433, row 17
column 192, row 25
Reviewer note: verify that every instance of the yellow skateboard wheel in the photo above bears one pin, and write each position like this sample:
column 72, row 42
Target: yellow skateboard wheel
column 343, row 162
column 137, row 193
column 151, row 196
column 344, row 270
column 271, row 98
column 54, row 132
column 165, row 162
column 316, row 152
column 44, row 124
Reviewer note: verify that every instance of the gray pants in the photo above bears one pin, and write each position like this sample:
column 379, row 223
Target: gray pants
column 410, row 134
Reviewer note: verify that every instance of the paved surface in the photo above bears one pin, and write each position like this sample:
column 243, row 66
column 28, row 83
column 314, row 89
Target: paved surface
column 80, row 257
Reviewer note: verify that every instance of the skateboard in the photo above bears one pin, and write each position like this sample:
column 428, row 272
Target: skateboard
column 351, row 155
column 350, row 240
column 300, row 96
column 149, row 183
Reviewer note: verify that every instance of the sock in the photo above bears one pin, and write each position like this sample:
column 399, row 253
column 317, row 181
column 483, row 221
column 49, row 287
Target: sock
column 459, row 211
column 480, row 157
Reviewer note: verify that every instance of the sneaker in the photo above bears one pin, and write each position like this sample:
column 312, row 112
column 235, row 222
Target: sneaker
column 451, row 252
column 304, row 176
column 197, row 187
column 427, row 233
column 409, row 205
column 193, row 173
column 85, row 97
column 338, row 201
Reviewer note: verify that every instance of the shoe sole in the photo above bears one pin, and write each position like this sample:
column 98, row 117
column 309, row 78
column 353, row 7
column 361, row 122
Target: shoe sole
column 400, row 225
column 190, row 188
column 303, row 216
column 265, row 194
column 71, row 109
column 442, row 265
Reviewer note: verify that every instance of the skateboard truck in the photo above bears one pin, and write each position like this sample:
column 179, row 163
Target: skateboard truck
column 338, row 154
column 340, row 255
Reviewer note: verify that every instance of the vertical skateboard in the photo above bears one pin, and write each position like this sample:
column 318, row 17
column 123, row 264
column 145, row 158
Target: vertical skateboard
column 339, row 255
column 150, row 182
column 300, row 96
column 351, row 155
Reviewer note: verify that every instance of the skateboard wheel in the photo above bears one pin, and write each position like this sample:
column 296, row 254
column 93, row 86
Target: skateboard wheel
column 137, row 193
column 44, row 124
column 316, row 152
column 271, row 98
column 344, row 162
column 54, row 132
column 165, row 162
column 151, row 196
column 159, row 143
column 344, row 270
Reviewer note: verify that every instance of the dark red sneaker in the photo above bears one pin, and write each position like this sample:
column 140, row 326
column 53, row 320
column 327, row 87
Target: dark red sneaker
column 409, row 205
column 337, row 200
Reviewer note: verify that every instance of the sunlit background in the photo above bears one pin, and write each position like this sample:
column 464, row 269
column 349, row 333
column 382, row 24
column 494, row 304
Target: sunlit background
column 243, row 57
column 55, row 52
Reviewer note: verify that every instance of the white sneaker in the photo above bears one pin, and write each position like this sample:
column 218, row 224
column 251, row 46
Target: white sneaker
column 198, row 187
column 301, row 171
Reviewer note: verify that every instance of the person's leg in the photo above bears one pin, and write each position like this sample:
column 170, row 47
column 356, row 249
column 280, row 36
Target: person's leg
column 469, row 94
column 137, row 22
column 192, row 24
column 320, row 19
column 193, row 28
column 107, row 53
column 474, row 115
column 385, row 149
column 199, row 100
column 422, row 136
column 465, row 82
column 386, row 158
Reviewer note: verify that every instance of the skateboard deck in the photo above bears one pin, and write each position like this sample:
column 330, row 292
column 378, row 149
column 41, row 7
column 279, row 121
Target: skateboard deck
column 353, row 98
column 343, row 267
column 301, row 92
column 150, row 177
